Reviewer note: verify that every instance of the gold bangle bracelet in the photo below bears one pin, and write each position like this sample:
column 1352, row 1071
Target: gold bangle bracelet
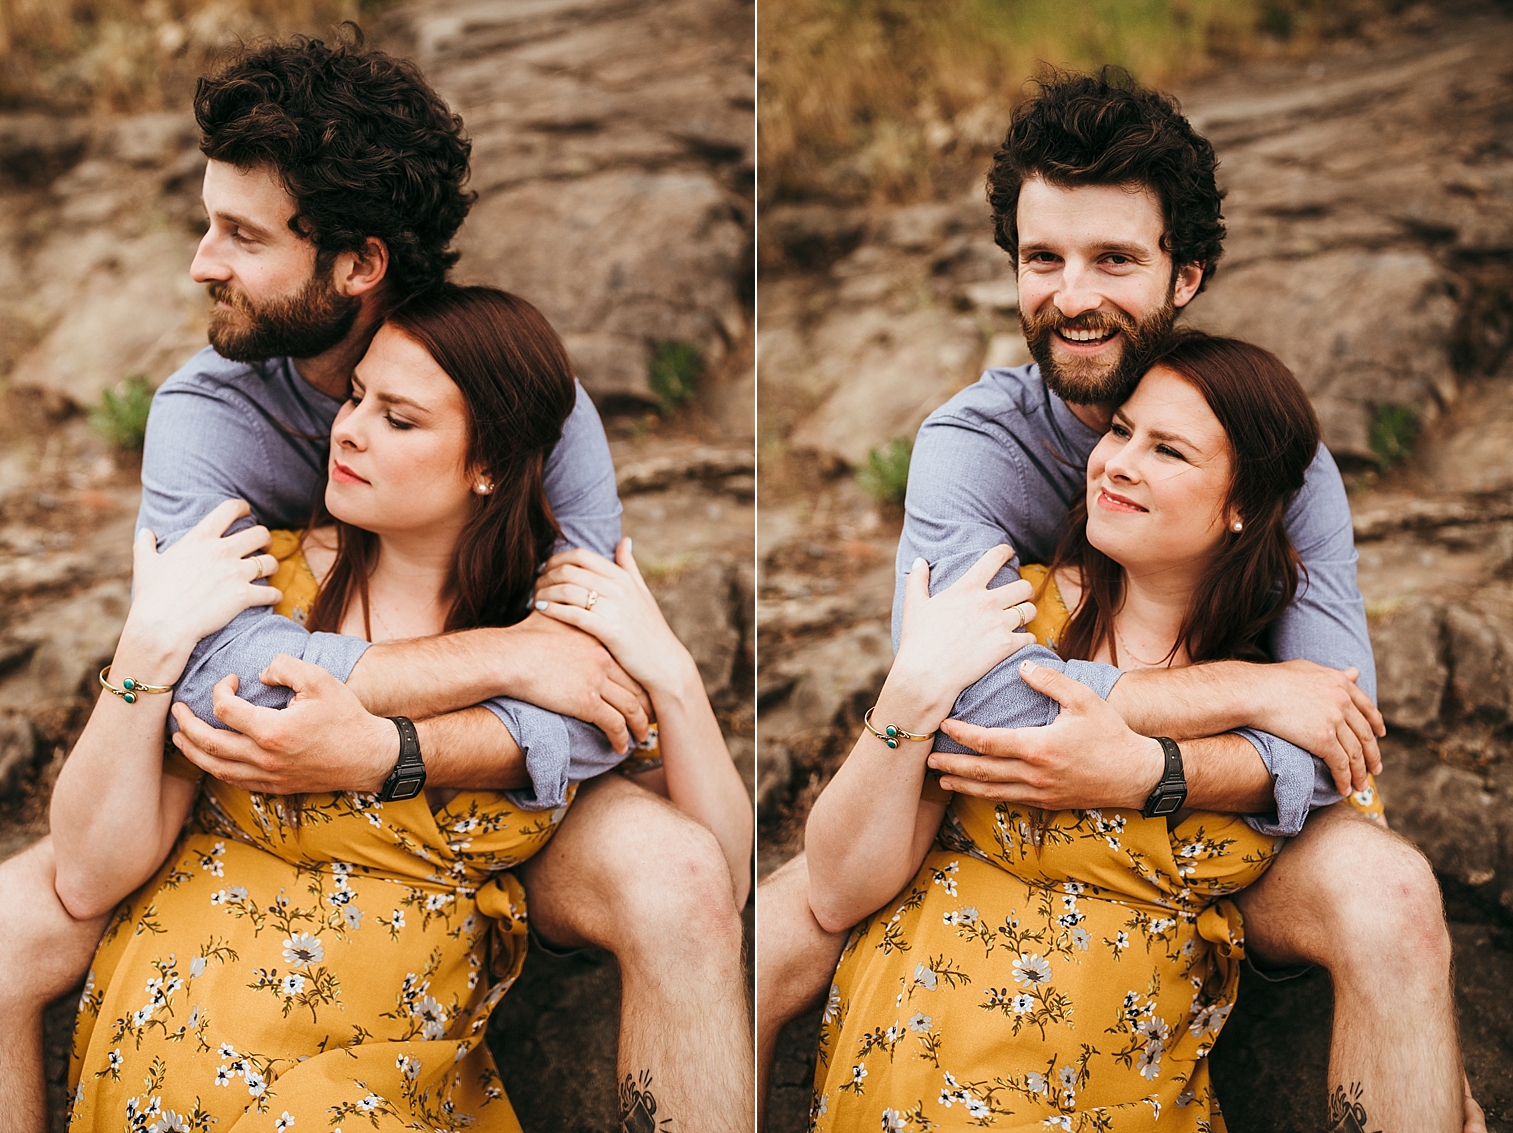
column 891, row 735
column 130, row 687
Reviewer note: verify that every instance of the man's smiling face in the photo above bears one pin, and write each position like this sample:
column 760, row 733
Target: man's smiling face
column 270, row 294
column 1095, row 285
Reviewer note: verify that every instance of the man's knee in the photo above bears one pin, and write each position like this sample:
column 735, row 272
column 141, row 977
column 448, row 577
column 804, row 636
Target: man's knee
column 662, row 883
column 44, row 952
column 1377, row 902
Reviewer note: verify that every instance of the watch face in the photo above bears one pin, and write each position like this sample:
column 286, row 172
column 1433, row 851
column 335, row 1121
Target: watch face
column 1167, row 804
column 407, row 787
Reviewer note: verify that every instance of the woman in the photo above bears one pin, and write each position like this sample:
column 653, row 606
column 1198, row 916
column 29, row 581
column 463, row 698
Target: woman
column 333, row 957
column 1065, row 969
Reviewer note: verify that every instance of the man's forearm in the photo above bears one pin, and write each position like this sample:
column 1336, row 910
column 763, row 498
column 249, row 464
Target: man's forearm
column 471, row 750
column 431, row 676
column 1225, row 773
column 1197, row 700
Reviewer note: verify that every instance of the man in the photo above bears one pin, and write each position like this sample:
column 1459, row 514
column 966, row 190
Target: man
column 334, row 188
column 1105, row 199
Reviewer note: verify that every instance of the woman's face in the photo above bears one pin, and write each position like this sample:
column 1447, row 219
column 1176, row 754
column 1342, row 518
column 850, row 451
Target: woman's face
column 1158, row 481
column 399, row 445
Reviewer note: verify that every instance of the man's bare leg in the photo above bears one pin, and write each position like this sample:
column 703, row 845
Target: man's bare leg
column 44, row 953
column 1360, row 901
column 796, row 961
column 630, row 873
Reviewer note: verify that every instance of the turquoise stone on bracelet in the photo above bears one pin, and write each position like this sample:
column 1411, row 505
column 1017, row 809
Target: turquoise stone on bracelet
column 891, row 743
column 130, row 698
column 128, row 684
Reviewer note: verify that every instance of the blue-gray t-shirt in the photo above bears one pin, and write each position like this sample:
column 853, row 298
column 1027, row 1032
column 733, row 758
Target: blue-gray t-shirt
column 1004, row 460
column 259, row 431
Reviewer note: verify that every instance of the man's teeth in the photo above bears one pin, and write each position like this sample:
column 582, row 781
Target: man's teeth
column 1086, row 335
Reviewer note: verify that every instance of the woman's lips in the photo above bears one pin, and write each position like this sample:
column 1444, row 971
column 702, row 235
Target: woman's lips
column 1112, row 501
column 344, row 475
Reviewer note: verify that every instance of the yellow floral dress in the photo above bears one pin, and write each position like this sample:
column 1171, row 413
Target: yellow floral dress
column 1043, row 970
column 334, row 974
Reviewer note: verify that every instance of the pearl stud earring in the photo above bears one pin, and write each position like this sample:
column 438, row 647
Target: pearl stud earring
column 1237, row 527
column 483, row 487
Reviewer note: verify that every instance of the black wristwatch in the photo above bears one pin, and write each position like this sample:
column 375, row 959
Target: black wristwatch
column 408, row 778
column 1171, row 791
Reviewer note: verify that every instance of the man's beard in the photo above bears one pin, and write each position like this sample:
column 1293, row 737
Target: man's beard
column 1094, row 381
column 295, row 326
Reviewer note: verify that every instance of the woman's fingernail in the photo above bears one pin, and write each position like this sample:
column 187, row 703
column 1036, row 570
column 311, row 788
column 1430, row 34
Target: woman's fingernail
column 916, row 564
column 629, row 546
column 1027, row 666
column 540, row 605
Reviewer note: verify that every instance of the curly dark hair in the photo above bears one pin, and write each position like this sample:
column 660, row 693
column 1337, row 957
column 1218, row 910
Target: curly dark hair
column 1106, row 129
column 360, row 140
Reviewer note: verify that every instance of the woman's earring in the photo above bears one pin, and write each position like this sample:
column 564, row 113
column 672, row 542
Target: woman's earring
column 483, row 487
column 1237, row 527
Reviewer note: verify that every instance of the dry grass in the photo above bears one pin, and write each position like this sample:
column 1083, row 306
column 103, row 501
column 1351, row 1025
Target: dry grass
column 137, row 54
column 893, row 99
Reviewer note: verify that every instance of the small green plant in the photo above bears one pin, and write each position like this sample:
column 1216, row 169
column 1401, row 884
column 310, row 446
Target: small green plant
column 121, row 416
column 673, row 373
column 1393, row 430
column 886, row 473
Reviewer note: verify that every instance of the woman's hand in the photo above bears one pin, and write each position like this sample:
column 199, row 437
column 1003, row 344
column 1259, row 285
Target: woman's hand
column 200, row 583
column 1323, row 711
column 950, row 641
column 611, row 601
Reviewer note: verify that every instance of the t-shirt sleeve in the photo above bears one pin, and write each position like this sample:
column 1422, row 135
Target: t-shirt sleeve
column 202, row 448
column 1326, row 624
column 966, row 495
column 580, row 482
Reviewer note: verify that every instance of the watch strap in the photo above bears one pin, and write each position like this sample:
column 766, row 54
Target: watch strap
column 408, row 778
column 1171, row 791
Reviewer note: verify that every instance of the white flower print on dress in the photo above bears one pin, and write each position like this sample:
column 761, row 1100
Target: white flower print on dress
column 302, row 949
column 284, row 1122
column 1031, row 970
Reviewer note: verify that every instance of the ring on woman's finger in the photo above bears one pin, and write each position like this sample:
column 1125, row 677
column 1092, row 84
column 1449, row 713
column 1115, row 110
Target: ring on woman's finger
column 593, row 596
column 1024, row 612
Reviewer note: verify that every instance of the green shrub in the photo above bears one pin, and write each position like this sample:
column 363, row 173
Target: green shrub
column 673, row 373
column 886, row 473
column 1393, row 431
column 121, row 416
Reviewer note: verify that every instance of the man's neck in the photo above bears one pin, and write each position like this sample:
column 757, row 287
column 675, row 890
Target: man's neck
column 330, row 372
column 1096, row 417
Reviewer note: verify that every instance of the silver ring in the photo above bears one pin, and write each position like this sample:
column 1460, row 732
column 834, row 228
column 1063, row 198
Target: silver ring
column 1025, row 611
column 593, row 596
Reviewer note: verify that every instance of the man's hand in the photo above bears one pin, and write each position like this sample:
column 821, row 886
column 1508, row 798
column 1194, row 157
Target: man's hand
column 566, row 671
column 323, row 741
column 1324, row 712
column 1087, row 757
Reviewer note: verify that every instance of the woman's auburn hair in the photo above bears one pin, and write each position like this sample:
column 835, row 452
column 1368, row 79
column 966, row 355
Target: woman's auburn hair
column 1273, row 437
column 517, row 386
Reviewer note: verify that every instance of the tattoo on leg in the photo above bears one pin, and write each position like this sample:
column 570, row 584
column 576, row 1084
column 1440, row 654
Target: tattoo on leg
column 638, row 1108
column 1346, row 1113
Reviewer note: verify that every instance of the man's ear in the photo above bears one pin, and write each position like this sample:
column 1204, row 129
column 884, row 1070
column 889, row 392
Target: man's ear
column 1189, row 278
column 356, row 273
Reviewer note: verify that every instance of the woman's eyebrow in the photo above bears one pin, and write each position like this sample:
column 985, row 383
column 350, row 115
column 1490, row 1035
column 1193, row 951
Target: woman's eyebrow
column 1174, row 438
column 396, row 399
